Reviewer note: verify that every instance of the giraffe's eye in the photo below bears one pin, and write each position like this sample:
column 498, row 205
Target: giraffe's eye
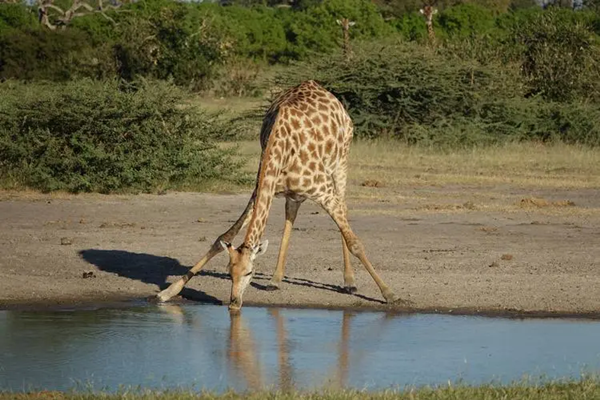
column 249, row 273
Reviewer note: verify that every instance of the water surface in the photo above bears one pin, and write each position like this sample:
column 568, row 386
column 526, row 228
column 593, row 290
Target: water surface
column 204, row 347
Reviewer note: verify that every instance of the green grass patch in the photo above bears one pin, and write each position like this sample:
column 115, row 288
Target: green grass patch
column 582, row 389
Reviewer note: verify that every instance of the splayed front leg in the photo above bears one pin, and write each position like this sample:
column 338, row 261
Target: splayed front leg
column 175, row 288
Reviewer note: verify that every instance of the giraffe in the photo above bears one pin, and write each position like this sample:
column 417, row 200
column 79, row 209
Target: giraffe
column 345, row 23
column 305, row 140
column 429, row 11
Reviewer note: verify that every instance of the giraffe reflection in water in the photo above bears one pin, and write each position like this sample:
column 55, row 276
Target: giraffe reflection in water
column 243, row 349
column 244, row 356
column 242, row 353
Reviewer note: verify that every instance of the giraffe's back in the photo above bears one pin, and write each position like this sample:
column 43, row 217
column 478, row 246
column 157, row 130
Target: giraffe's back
column 308, row 133
column 310, row 110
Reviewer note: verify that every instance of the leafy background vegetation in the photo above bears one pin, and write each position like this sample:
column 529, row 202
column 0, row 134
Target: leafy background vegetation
column 103, row 101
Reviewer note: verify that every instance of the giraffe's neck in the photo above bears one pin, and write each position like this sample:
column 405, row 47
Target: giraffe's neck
column 346, row 41
column 265, row 190
column 430, row 32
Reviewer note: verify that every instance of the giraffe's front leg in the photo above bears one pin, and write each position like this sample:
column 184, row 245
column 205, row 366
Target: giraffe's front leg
column 291, row 211
column 349, row 282
column 176, row 287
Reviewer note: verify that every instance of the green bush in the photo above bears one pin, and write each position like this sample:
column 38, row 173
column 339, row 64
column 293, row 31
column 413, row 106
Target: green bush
column 38, row 54
column 16, row 16
column 411, row 26
column 391, row 86
column 560, row 55
column 435, row 98
column 466, row 20
column 86, row 136
column 314, row 30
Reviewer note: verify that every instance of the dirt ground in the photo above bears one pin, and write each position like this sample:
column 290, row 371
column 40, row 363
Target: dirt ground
column 451, row 249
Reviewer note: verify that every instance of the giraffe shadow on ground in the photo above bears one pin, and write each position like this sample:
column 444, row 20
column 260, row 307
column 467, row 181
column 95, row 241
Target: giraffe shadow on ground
column 156, row 270
column 143, row 267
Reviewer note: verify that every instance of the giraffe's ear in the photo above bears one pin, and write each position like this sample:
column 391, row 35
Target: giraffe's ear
column 338, row 21
column 351, row 23
column 422, row 11
column 260, row 248
column 435, row 11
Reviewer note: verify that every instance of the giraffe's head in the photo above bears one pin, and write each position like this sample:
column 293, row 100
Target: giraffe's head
column 428, row 11
column 345, row 23
column 241, row 269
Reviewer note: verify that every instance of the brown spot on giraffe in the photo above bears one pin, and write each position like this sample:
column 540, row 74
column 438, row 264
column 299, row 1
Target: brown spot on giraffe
column 304, row 157
column 295, row 124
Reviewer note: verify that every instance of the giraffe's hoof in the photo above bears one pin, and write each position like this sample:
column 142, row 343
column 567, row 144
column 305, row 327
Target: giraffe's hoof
column 391, row 298
column 349, row 289
column 271, row 287
column 162, row 297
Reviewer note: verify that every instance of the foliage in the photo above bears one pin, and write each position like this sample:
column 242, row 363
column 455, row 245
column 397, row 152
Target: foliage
column 411, row 26
column 466, row 20
column 560, row 55
column 435, row 98
column 16, row 16
column 86, row 136
column 37, row 54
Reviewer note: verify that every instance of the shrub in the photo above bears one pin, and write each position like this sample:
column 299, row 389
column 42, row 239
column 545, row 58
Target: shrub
column 466, row 20
column 86, row 136
column 560, row 55
column 38, row 54
column 314, row 30
column 389, row 87
column 411, row 26
column 436, row 98
column 16, row 16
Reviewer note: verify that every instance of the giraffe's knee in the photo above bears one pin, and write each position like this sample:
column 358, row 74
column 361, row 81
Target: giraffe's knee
column 355, row 246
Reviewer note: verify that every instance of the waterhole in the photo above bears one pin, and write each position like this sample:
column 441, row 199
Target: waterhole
column 203, row 347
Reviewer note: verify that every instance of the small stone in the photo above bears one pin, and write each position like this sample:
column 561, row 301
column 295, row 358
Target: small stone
column 494, row 265
column 506, row 257
column 202, row 239
column 66, row 241
column 89, row 274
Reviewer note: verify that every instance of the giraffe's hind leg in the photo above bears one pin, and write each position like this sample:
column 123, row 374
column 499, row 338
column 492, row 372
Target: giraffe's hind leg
column 291, row 211
column 337, row 210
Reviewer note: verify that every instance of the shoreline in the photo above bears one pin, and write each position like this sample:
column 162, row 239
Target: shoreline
column 116, row 302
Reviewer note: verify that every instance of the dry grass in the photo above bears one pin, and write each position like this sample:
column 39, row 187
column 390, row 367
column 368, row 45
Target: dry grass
column 429, row 180
column 394, row 164
column 406, row 179
column 523, row 165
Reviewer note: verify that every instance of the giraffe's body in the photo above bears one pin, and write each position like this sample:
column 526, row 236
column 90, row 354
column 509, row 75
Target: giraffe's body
column 305, row 140
column 428, row 12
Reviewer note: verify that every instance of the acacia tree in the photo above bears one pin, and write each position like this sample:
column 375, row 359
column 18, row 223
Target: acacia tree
column 52, row 15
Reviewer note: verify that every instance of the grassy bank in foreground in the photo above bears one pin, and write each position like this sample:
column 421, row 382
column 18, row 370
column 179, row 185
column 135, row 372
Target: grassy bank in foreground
column 583, row 389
